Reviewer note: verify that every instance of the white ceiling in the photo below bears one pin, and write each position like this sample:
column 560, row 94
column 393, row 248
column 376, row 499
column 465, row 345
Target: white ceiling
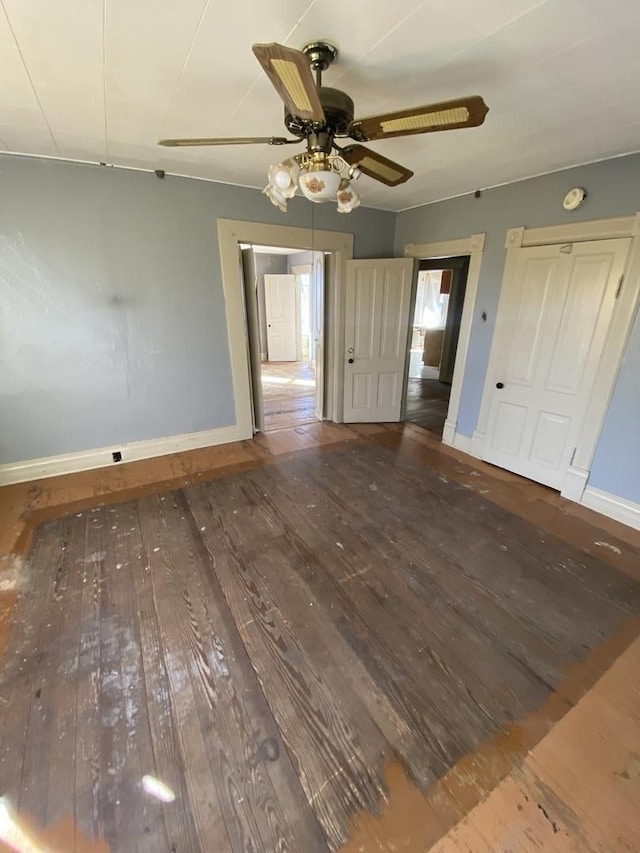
column 101, row 80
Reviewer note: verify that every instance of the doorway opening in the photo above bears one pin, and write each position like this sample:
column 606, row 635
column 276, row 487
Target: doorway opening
column 440, row 293
column 284, row 291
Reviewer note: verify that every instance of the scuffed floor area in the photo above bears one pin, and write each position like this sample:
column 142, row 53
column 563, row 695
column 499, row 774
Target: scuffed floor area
column 298, row 653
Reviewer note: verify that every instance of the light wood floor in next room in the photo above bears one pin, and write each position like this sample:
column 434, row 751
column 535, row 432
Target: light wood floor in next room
column 288, row 394
column 329, row 638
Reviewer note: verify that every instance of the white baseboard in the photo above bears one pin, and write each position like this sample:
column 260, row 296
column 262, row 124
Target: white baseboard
column 449, row 433
column 614, row 507
column 477, row 443
column 574, row 489
column 575, row 482
column 86, row 460
column 462, row 442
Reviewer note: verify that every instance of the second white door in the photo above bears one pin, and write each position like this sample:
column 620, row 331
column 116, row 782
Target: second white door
column 280, row 306
column 549, row 338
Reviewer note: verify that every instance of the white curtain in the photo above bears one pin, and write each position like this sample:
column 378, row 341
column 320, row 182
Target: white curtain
column 431, row 305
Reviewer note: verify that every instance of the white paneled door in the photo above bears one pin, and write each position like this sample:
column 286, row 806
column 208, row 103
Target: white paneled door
column 549, row 338
column 377, row 323
column 280, row 308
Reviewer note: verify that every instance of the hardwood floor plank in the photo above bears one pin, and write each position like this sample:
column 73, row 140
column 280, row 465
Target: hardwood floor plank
column 548, row 803
column 505, row 559
column 280, row 568
column 129, row 816
column 337, row 766
column 259, row 793
column 484, row 767
column 24, row 669
column 578, row 781
column 410, row 552
column 51, row 600
column 421, row 554
column 168, row 759
column 367, row 601
column 173, row 620
column 62, row 682
column 291, row 646
column 288, row 392
column 427, row 403
column 538, row 505
column 88, row 718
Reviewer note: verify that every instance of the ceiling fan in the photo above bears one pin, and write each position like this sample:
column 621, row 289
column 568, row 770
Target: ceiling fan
column 319, row 115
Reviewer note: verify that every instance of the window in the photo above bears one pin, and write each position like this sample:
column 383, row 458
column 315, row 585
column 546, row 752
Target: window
column 431, row 304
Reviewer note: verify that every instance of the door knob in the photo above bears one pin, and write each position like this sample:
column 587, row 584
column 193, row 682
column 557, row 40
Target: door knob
column 350, row 361
column 499, row 384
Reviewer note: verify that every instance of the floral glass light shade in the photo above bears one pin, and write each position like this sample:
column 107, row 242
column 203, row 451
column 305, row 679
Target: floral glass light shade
column 320, row 178
column 275, row 197
column 284, row 177
column 320, row 185
column 348, row 198
column 282, row 183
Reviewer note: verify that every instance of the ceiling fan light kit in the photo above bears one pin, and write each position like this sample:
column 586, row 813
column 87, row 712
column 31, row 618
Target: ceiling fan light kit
column 318, row 115
column 321, row 177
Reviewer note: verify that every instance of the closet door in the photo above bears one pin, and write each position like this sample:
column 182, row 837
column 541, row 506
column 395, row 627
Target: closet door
column 557, row 314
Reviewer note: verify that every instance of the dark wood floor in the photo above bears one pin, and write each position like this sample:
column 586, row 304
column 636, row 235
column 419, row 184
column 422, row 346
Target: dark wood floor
column 266, row 644
column 427, row 403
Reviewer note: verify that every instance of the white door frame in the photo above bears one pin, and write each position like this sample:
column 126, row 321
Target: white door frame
column 473, row 247
column 233, row 232
column 297, row 271
column 614, row 346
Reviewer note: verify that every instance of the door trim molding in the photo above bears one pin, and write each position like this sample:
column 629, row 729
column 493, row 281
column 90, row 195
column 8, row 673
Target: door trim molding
column 574, row 232
column 472, row 246
column 231, row 232
column 296, row 271
column 615, row 343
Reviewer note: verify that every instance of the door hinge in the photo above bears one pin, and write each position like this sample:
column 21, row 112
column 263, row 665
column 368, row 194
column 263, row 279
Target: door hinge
column 619, row 286
column 573, row 456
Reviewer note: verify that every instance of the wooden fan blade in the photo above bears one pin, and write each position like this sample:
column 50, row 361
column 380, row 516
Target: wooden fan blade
column 229, row 140
column 291, row 75
column 448, row 115
column 375, row 165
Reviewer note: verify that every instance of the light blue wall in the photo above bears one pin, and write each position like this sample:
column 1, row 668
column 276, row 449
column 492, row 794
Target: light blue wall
column 616, row 465
column 112, row 317
column 112, row 324
column 613, row 190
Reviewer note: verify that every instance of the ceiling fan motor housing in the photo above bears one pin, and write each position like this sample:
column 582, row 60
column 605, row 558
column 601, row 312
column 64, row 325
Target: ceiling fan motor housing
column 338, row 109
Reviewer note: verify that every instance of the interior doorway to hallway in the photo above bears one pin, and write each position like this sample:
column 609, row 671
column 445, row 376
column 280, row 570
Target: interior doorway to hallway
column 439, row 301
column 284, row 290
